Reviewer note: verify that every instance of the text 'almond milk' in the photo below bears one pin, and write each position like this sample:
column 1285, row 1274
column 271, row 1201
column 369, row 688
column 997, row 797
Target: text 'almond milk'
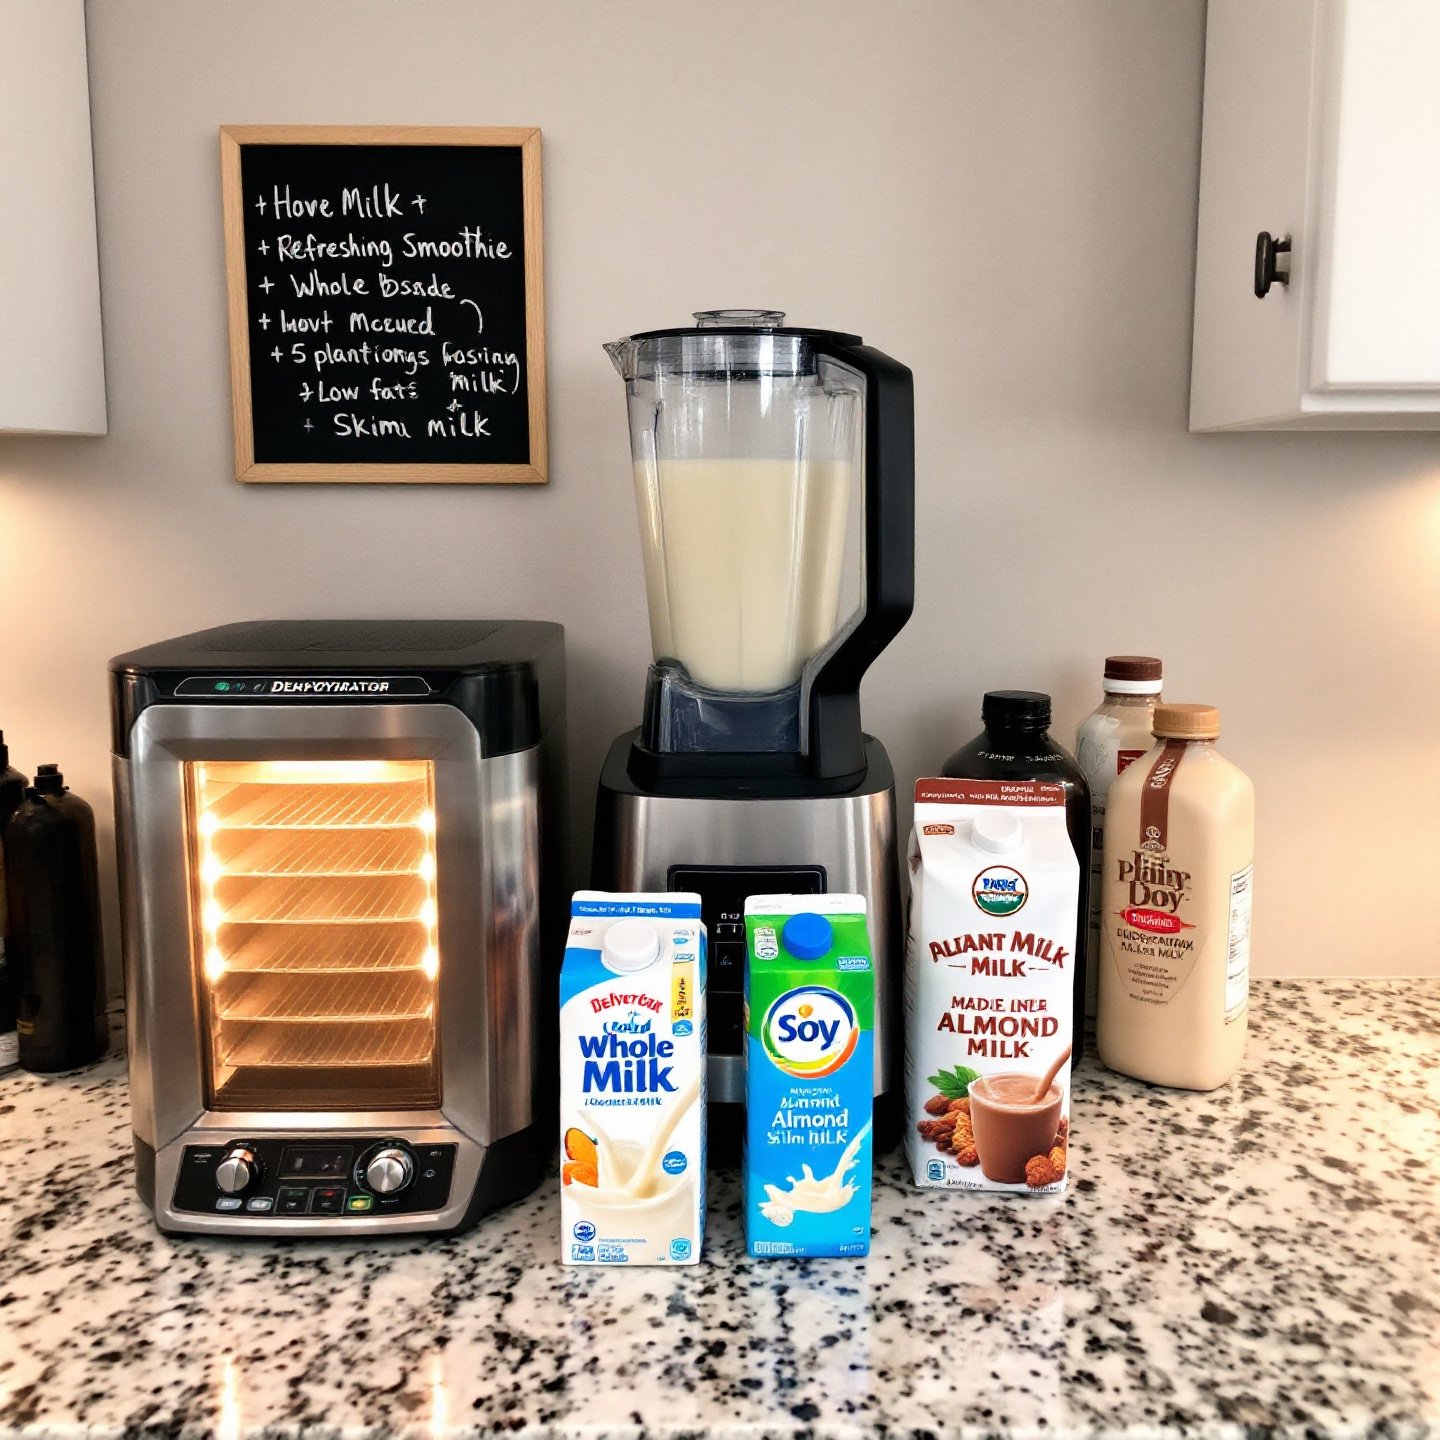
column 990, row 985
column 632, row 1080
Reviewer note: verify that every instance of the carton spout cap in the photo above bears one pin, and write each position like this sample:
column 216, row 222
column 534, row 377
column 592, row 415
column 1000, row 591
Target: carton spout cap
column 630, row 945
column 808, row 936
column 998, row 831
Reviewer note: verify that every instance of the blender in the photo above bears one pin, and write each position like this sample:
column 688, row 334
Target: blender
column 774, row 477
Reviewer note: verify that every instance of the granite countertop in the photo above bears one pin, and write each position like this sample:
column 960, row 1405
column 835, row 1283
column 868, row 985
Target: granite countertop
column 1262, row 1260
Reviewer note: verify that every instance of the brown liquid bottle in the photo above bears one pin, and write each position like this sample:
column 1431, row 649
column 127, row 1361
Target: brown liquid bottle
column 12, row 792
column 1175, row 934
column 52, row 889
column 1016, row 745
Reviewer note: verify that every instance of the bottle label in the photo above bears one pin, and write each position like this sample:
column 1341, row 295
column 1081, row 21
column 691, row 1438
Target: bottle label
column 1155, row 798
column 1152, row 945
column 9, row 1049
column 1102, row 758
column 1237, row 955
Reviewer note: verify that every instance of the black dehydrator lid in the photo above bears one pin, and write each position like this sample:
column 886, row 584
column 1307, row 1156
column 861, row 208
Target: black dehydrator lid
column 507, row 676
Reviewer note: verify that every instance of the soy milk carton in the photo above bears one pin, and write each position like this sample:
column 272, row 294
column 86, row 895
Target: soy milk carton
column 632, row 1080
column 989, row 985
column 809, row 1075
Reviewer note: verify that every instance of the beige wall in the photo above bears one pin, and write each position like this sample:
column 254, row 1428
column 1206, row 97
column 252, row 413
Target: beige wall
column 1002, row 194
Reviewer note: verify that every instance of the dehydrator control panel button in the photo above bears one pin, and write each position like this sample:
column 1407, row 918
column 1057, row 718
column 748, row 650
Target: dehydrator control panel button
column 270, row 1178
column 238, row 1171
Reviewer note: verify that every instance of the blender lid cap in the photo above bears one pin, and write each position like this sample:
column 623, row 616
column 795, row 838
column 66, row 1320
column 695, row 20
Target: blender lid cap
column 738, row 319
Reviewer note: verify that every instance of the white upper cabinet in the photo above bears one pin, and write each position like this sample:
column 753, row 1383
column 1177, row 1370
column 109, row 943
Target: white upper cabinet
column 1322, row 128
column 52, row 368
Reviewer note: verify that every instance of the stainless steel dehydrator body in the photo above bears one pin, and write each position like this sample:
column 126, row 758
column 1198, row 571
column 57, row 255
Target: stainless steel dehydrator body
column 339, row 842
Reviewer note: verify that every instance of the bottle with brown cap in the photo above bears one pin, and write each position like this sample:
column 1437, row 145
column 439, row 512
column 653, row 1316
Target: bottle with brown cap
column 1175, row 938
column 1110, row 737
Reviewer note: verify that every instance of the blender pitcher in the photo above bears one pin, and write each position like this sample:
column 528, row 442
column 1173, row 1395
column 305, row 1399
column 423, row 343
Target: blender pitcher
column 774, row 482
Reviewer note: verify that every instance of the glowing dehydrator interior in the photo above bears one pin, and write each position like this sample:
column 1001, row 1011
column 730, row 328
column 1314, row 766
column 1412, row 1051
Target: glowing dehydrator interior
column 314, row 918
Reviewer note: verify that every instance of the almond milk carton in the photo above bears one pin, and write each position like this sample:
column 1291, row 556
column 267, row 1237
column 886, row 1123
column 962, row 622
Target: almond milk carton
column 632, row 1080
column 989, row 985
column 809, row 1075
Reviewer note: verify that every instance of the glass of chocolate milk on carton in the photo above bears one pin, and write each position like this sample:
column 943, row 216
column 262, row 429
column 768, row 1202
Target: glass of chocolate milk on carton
column 989, row 985
column 809, row 1075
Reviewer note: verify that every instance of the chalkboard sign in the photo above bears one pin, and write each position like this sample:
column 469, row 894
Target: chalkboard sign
column 386, row 303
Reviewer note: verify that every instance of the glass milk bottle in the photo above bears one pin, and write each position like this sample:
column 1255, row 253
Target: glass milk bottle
column 1175, row 942
column 1116, row 732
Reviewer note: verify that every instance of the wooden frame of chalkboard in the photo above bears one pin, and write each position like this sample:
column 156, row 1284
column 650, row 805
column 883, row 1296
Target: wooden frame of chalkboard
column 372, row 235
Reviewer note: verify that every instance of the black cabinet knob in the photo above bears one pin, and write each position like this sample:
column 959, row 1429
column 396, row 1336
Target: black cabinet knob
column 1267, row 250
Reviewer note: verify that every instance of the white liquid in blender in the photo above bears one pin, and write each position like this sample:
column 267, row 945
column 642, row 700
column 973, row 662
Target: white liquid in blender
column 743, row 576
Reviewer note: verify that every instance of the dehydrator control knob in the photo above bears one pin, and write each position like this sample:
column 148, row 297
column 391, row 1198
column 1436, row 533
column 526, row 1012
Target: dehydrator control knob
column 389, row 1170
column 237, row 1171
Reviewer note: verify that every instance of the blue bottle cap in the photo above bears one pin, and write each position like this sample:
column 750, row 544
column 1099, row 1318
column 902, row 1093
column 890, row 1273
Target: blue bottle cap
column 807, row 937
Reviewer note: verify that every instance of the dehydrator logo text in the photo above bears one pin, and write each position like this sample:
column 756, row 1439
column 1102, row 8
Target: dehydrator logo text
column 1000, row 890
column 329, row 687
column 810, row 1032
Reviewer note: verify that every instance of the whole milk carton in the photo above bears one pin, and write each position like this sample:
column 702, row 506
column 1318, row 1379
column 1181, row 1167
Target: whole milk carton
column 989, row 985
column 809, row 1075
column 632, row 1080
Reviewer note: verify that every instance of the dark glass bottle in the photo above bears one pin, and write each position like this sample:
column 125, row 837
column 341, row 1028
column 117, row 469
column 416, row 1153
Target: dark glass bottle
column 12, row 785
column 1016, row 745
column 12, row 792
column 52, row 885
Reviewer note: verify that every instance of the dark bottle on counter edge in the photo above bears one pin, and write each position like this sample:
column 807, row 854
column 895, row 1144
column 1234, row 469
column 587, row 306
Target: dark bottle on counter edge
column 55, row 953
column 12, row 792
column 1016, row 745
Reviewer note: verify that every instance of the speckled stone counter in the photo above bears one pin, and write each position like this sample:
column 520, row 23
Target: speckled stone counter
column 1263, row 1260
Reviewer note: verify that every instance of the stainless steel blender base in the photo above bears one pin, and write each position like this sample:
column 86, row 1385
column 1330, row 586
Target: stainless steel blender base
column 640, row 838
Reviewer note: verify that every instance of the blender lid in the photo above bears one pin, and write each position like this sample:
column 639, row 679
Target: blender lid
column 743, row 322
column 733, row 344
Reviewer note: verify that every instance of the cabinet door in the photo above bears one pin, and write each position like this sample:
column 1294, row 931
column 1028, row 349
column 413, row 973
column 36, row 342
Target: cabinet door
column 1377, row 292
column 52, row 371
column 1250, row 356
column 1321, row 125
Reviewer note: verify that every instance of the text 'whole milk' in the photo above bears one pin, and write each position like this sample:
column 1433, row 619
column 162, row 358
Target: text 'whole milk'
column 809, row 1075
column 632, row 1080
column 990, row 985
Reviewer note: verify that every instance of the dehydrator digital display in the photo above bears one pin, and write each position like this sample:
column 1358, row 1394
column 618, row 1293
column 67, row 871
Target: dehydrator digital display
column 315, row 1162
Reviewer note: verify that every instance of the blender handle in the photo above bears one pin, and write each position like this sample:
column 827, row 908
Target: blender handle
column 837, row 746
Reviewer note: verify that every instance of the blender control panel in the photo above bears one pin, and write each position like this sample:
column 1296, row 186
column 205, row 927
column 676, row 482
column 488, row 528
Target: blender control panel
column 262, row 1176
column 723, row 891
